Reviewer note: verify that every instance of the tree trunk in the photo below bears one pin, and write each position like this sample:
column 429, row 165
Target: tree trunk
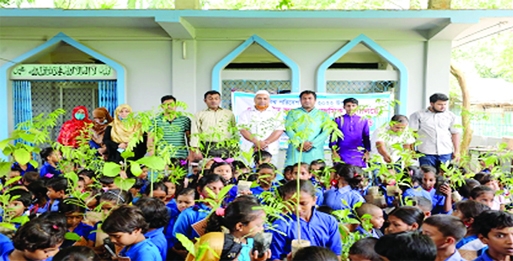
column 465, row 110
column 439, row 4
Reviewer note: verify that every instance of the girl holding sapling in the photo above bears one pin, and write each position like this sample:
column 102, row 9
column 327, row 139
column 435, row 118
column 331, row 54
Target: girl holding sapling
column 319, row 228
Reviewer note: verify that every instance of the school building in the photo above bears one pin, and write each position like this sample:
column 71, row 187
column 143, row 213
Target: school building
column 51, row 58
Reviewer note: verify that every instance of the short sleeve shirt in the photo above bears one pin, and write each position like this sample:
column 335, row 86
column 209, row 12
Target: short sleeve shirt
column 435, row 131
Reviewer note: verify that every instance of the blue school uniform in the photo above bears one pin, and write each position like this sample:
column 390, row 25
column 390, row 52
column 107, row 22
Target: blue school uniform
column 142, row 251
column 48, row 169
column 159, row 240
column 82, row 230
column 92, row 234
column 256, row 191
column 187, row 218
column 416, row 192
column 321, row 230
column 466, row 240
column 53, row 208
column 374, row 232
column 319, row 193
column 333, row 198
column 438, row 202
column 6, row 247
column 173, row 214
column 29, row 168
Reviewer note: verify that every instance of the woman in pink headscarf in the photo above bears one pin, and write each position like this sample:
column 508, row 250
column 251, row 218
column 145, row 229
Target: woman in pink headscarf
column 77, row 126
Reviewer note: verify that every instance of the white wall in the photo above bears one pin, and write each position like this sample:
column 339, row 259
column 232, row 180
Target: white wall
column 309, row 54
column 156, row 66
column 148, row 69
column 145, row 54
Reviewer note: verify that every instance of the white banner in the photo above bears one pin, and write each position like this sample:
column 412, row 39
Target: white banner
column 370, row 106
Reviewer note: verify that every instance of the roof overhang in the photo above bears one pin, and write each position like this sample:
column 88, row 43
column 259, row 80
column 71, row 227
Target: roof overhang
column 458, row 25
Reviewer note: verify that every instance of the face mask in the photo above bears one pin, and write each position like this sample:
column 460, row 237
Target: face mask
column 79, row 116
column 121, row 119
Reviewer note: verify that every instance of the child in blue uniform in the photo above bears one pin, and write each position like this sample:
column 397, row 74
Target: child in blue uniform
column 109, row 200
column 404, row 219
column 38, row 239
column 445, row 231
column 50, row 158
column 56, row 192
column 266, row 175
column 376, row 219
column 126, row 227
column 303, row 170
column 442, row 202
column 157, row 216
column 319, row 228
column 467, row 211
column 495, row 228
column 184, row 199
column 192, row 221
column 74, row 217
column 348, row 178
column 19, row 203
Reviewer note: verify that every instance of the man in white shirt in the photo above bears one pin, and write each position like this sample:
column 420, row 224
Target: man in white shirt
column 386, row 137
column 261, row 126
column 438, row 131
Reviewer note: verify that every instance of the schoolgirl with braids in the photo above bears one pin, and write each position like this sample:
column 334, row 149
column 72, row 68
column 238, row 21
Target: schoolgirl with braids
column 347, row 178
column 242, row 219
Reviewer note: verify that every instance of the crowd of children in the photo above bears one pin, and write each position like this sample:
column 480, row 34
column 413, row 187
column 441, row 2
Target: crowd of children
column 158, row 220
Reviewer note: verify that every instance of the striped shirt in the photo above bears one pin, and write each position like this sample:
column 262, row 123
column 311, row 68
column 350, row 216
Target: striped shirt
column 174, row 133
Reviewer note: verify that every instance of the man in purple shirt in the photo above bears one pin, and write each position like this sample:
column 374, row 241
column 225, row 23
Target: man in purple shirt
column 354, row 145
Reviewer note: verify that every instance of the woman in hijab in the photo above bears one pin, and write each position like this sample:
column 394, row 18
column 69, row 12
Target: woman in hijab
column 101, row 119
column 75, row 127
column 118, row 134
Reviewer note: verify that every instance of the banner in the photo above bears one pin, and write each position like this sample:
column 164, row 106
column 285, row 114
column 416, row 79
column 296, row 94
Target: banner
column 63, row 71
column 375, row 107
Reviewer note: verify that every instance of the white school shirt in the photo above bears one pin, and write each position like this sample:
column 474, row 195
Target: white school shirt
column 261, row 124
column 389, row 138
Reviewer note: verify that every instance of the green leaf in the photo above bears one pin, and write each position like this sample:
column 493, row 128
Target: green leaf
column 7, row 225
column 22, row 156
column 153, row 162
column 127, row 154
column 186, row 243
column 34, row 163
column 111, row 169
column 73, row 177
column 124, row 184
column 21, row 220
column 4, row 143
column 12, row 180
column 135, row 169
column 72, row 236
column 28, row 137
column 5, row 168
column 7, row 151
